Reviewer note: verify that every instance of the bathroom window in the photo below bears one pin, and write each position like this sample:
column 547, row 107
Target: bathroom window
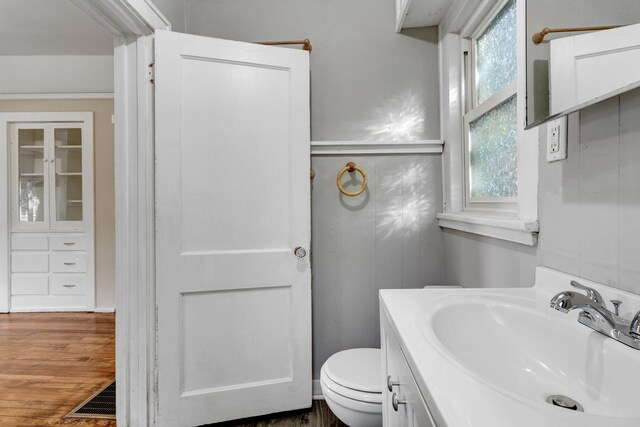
column 490, row 160
column 490, row 117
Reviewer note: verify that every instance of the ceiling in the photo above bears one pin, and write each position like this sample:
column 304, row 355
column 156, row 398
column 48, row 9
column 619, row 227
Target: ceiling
column 50, row 27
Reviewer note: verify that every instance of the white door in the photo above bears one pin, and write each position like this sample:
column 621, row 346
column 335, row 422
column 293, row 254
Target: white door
column 232, row 200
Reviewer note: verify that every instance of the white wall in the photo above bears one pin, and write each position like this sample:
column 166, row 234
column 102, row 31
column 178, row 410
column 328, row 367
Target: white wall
column 173, row 10
column 367, row 81
column 483, row 262
column 56, row 74
column 590, row 203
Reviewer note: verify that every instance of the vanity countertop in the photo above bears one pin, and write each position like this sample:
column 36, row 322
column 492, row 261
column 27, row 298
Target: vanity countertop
column 491, row 357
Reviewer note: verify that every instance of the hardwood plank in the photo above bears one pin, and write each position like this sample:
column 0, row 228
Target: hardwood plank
column 52, row 362
column 319, row 415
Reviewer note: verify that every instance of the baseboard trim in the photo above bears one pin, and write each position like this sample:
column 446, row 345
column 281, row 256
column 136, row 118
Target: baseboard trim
column 316, row 390
column 50, row 310
column 60, row 310
column 46, row 96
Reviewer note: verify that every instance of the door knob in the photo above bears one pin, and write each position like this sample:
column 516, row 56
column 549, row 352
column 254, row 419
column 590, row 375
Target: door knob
column 391, row 383
column 300, row 252
column 395, row 402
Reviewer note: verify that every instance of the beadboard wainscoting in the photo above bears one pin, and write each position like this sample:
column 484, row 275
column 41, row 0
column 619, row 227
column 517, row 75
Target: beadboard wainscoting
column 387, row 237
column 590, row 203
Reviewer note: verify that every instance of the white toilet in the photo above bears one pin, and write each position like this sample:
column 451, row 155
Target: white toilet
column 351, row 382
column 352, row 386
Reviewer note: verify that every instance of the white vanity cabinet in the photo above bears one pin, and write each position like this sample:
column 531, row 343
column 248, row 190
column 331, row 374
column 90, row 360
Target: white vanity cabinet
column 51, row 211
column 403, row 405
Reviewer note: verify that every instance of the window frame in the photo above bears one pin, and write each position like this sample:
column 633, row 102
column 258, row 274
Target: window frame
column 521, row 227
column 507, row 206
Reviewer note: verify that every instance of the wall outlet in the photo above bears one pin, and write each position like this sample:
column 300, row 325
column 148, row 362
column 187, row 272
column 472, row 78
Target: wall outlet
column 557, row 139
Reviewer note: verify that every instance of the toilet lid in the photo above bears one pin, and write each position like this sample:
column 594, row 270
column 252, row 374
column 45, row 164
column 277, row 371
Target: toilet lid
column 358, row 369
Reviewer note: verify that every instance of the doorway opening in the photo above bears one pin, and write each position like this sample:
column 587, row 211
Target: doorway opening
column 57, row 328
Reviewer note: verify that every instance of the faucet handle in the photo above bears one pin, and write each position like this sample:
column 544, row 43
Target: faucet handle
column 592, row 294
column 616, row 306
column 634, row 328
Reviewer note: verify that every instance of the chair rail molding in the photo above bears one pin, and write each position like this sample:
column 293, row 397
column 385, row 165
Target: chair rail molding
column 425, row 146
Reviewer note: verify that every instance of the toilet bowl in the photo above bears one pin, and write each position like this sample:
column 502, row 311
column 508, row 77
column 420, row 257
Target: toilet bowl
column 351, row 383
column 352, row 386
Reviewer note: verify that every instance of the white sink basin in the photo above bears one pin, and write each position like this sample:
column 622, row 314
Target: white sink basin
column 492, row 357
column 532, row 353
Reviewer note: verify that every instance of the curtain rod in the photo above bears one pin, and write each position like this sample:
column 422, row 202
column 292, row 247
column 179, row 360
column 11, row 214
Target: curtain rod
column 306, row 43
column 537, row 38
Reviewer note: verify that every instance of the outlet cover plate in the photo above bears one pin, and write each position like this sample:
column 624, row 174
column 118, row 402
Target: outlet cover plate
column 557, row 139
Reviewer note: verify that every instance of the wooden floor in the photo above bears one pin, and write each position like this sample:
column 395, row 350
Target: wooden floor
column 318, row 416
column 52, row 362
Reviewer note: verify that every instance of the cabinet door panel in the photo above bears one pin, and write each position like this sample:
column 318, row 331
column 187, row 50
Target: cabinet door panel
column 412, row 411
column 67, row 177
column 29, row 166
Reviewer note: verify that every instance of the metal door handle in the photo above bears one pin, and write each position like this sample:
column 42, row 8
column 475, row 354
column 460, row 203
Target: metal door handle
column 391, row 384
column 300, row 252
column 395, row 402
column 69, row 263
column 69, row 286
column 69, row 243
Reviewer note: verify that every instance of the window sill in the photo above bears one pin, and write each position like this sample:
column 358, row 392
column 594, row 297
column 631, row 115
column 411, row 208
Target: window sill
column 514, row 230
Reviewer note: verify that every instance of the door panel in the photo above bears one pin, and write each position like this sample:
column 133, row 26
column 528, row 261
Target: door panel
column 256, row 148
column 232, row 201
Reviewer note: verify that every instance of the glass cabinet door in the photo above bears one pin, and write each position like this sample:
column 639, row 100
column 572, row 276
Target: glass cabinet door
column 31, row 177
column 67, row 143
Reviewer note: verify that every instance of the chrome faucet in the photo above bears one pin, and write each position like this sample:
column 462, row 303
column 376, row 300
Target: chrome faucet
column 595, row 315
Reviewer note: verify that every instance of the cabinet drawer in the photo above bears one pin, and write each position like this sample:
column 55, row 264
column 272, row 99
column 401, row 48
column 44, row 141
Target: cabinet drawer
column 68, row 263
column 68, row 243
column 68, row 284
column 29, row 242
column 29, row 284
column 24, row 262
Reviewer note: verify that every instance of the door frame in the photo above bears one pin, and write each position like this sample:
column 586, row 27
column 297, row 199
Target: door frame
column 132, row 23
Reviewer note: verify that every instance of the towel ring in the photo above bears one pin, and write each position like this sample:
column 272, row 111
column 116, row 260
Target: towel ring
column 351, row 167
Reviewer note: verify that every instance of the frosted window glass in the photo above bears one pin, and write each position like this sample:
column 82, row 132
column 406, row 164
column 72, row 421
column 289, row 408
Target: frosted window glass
column 493, row 152
column 496, row 54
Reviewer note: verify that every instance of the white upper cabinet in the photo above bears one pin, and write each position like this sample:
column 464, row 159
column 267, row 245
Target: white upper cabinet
column 420, row 13
column 588, row 68
column 51, row 263
column 50, row 164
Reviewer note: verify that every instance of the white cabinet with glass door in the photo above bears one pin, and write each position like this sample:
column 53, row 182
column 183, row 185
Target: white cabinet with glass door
column 52, row 213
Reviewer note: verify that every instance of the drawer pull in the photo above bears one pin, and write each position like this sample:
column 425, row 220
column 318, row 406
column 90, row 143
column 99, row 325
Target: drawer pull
column 69, row 263
column 69, row 286
column 395, row 402
column 69, row 243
